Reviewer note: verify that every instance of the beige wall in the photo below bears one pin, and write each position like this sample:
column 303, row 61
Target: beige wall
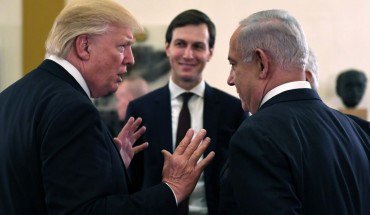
column 337, row 30
column 23, row 30
column 10, row 42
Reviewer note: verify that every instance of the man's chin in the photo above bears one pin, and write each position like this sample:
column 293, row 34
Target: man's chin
column 187, row 77
column 110, row 91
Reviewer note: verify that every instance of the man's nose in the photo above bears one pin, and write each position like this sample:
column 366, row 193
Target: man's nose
column 128, row 58
column 188, row 52
column 230, row 79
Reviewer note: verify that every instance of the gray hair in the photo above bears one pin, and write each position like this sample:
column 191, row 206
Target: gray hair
column 312, row 63
column 277, row 33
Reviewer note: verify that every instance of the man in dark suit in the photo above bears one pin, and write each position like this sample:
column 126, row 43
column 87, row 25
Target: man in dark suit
column 312, row 76
column 294, row 154
column 56, row 154
column 189, row 46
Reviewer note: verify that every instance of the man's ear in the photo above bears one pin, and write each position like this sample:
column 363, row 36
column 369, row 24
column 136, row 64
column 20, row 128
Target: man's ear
column 166, row 47
column 263, row 62
column 210, row 54
column 81, row 45
column 308, row 76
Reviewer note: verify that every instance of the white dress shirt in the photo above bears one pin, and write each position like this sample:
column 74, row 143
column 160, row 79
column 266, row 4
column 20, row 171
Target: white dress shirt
column 285, row 87
column 73, row 71
column 197, row 200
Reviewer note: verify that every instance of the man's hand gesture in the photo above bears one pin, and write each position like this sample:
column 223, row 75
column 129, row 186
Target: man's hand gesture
column 182, row 169
column 127, row 137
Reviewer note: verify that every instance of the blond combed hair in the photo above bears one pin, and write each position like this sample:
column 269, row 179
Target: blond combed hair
column 90, row 17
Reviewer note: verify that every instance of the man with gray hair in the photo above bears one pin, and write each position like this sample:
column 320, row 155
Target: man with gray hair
column 312, row 76
column 56, row 154
column 294, row 155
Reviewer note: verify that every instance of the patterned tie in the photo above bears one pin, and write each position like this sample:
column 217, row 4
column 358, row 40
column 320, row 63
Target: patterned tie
column 182, row 127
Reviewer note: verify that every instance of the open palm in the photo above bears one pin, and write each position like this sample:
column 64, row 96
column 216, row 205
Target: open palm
column 127, row 137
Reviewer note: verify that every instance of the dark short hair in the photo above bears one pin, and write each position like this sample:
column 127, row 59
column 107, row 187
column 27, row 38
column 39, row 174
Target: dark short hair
column 192, row 17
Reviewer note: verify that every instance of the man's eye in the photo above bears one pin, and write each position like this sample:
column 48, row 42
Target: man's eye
column 121, row 48
column 199, row 47
column 180, row 44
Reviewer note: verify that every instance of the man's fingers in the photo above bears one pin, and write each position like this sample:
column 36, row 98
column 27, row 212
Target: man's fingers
column 195, row 143
column 125, row 128
column 183, row 145
column 199, row 151
column 181, row 170
column 138, row 134
column 117, row 142
column 132, row 125
column 136, row 124
column 204, row 162
column 166, row 155
column 140, row 147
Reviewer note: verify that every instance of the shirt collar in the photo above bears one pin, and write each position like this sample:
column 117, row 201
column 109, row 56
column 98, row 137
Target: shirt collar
column 285, row 87
column 73, row 71
column 176, row 90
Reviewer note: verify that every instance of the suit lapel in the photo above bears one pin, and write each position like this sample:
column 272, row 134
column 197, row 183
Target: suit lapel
column 162, row 106
column 211, row 113
column 57, row 70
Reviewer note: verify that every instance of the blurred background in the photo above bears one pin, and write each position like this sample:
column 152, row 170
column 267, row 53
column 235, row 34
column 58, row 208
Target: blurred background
column 338, row 32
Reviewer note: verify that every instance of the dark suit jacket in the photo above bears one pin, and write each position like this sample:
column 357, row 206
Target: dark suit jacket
column 57, row 156
column 222, row 116
column 365, row 125
column 298, row 156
